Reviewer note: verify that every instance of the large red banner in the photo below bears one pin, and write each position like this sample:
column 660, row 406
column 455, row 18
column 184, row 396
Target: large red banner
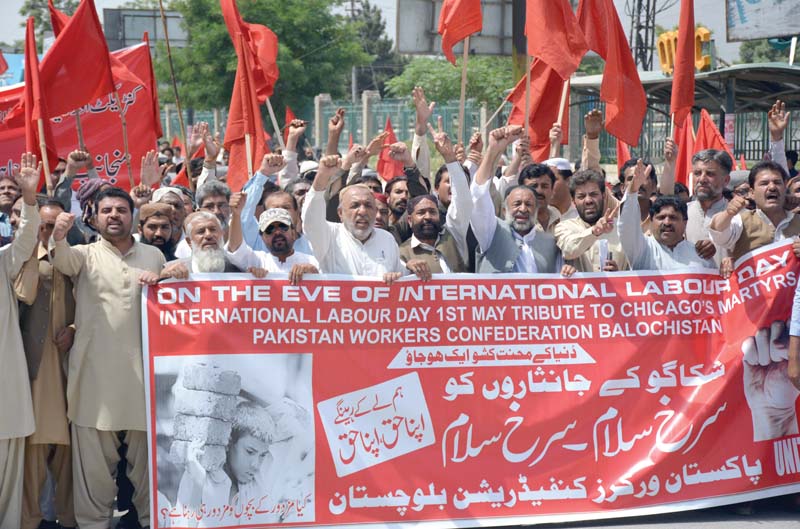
column 467, row 401
column 101, row 123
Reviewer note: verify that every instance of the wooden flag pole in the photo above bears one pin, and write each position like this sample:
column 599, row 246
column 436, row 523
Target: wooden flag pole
column 496, row 112
column 172, row 74
column 45, row 161
column 462, row 101
column 79, row 127
column 672, row 125
column 125, row 139
column 248, row 140
column 275, row 126
column 526, row 125
column 792, row 51
column 563, row 105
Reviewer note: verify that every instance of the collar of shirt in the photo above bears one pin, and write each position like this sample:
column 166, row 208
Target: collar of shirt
column 527, row 239
column 782, row 224
column 416, row 242
column 114, row 249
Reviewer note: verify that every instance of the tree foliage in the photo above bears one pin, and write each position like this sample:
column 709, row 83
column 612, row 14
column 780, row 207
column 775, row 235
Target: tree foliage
column 760, row 51
column 316, row 51
column 41, row 14
column 487, row 79
column 385, row 63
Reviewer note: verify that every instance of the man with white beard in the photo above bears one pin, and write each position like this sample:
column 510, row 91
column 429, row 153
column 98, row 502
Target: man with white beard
column 204, row 235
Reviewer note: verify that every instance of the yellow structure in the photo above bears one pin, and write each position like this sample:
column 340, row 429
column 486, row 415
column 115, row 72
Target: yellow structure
column 667, row 45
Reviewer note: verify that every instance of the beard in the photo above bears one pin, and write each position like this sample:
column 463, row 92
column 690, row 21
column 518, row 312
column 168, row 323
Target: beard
column 362, row 234
column 427, row 230
column 208, row 261
column 519, row 225
column 167, row 247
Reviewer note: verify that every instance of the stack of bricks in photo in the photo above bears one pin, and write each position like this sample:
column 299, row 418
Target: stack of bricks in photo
column 205, row 408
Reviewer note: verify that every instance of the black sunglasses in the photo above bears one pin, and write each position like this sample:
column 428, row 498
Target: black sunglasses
column 272, row 227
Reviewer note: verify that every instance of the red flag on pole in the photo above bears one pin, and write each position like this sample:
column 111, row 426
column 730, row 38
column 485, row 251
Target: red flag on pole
column 288, row 118
column 546, row 89
column 3, row 64
column 709, row 137
column 623, row 155
column 260, row 43
column 388, row 168
column 682, row 99
column 58, row 19
column 621, row 89
column 70, row 83
column 152, row 87
column 458, row 19
column 554, row 36
column 35, row 104
column 244, row 119
column 684, row 140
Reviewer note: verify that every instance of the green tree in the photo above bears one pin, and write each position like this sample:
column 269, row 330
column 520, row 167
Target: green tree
column 41, row 14
column 760, row 51
column 316, row 51
column 386, row 63
column 487, row 79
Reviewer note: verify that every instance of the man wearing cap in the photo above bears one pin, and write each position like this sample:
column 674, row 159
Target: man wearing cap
column 173, row 198
column 561, row 198
column 278, row 232
column 155, row 228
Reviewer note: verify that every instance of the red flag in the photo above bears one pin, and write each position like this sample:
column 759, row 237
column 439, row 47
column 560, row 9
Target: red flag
column 623, row 154
column 709, row 137
column 244, row 118
column 288, row 118
column 458, row 19
column 554, row 36
column 58, row 19
column 540, row 153
column 546, row 89
column 626, row 102
column 684, row 140
column 35, row 104
column 388, row 168
column 682, row 99
column 260, row 43
column 77, row 68
column 3, row 64
column 742, row 163
column 152, row 87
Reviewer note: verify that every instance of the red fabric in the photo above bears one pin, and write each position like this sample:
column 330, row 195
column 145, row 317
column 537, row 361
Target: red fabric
column 709, row 137
column 622, row 90
column 101, row 125
column 388, row 168
column 684, row 140
column 458, row 19
column 152, row 87
column 57, row 19
column 682, row 99
column 554, row 36
column 540, row 153
column 742, row 163
column 35, row 105
column 260, row 43
column 288, row 118
column 350, row 142
column 546, row 88
column 623, row 154
column 3, row 64
column 182, row 178
column 244, row 117
column 70, row 83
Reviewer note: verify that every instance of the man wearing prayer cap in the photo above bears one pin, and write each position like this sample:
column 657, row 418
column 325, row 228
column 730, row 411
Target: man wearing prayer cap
column 155, row 227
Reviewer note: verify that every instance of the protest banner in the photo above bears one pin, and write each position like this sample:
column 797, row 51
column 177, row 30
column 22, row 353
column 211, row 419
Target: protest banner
column 100, row 121
column 468, row 401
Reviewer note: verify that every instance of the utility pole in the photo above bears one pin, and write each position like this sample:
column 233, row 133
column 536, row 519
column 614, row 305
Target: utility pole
column 354, row 69
column 643, row 31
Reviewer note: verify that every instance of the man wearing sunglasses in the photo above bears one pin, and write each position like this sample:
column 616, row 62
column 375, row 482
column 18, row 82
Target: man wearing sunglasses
column 279, row 234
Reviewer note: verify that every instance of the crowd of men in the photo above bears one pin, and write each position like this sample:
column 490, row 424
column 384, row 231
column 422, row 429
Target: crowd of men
column 74, row 264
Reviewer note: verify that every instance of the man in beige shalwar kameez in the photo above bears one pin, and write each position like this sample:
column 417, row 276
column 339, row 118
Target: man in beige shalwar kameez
column 105, row 379
column 45, row 318
column 16, row 410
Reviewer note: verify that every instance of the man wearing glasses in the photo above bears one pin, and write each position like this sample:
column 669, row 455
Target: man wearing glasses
column 279, row 234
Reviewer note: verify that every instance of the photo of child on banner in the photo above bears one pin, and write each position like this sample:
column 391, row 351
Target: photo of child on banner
column 233, row 448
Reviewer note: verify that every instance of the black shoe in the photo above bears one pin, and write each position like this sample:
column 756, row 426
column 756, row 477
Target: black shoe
column 48, row 524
